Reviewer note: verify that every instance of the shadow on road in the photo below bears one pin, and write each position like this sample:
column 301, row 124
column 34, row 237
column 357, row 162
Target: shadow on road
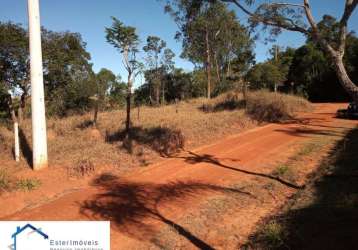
column 133, row 208
column 194, row 158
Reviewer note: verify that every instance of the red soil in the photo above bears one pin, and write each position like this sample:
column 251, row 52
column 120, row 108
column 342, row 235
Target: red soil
column 143, row 202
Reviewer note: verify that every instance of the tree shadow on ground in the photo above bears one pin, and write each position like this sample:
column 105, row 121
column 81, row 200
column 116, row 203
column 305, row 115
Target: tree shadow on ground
column 194, row 158
column 134, row 208
column 325, row 214
column 166, row 141
column 25, row 147
column 308, row 132
column 85, row 124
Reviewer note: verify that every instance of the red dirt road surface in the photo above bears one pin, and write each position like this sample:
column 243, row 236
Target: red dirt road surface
column 209, row 198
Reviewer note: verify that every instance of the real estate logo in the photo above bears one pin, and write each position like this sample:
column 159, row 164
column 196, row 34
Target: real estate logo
column 59, row 235
column 21, row 230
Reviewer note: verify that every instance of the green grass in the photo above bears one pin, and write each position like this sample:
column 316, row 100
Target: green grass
column 282, row 170
column 273, row 234
column 28, row 184
column 309, row 148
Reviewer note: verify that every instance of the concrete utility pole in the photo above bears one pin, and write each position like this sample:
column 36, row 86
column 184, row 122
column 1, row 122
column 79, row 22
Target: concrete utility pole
column 39, row 136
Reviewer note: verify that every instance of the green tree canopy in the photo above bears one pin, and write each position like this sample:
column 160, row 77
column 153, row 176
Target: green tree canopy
column 126, row 40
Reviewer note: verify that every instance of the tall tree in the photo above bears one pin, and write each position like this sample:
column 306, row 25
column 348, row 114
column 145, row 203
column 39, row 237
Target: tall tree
column 125, row 39
column 167, row 63
column 196, row 32
column 212, row 37
column 276, row 16
column 14, row 63
column 105, row 80
column 68, row 75
column 154, row 48
column 265, row 75
column 117, row 93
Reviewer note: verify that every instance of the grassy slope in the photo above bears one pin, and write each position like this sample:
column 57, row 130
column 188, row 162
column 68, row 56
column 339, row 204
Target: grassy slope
column 71, row 140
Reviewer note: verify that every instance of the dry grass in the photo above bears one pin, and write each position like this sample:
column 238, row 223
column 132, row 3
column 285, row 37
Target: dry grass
column 81, row 169
column 70, row 140
column 157, row 131
column 263, row 106
column 274, row 107
column 5, row 181
column 228, row 101
column 6, row 139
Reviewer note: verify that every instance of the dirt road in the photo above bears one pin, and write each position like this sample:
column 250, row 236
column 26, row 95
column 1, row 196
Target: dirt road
column 209, row 198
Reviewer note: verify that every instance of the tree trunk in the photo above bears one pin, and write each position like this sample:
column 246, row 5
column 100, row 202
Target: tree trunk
column 208, row 62
column 20, row 113
column 244, row 91
column 151, row 92
column 276, row 60
column 228, row 72
column 95, row 116
column 22, row 106
column 344, row 79
column 138, row 112
column 163, row 93
column 128, row 99
column 157, row 91
column 217, row 68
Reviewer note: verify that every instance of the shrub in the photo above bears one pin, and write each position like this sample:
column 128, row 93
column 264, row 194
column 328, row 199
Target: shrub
column 274, row 107
column 281, row 170
column 28, row 184
column 286, row 172
column 81, row 169
column 273, row 234
column 168, row 141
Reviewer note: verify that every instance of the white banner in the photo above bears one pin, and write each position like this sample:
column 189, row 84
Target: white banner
column 54, row 235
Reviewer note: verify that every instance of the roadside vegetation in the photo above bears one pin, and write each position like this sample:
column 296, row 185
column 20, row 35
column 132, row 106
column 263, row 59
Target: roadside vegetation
column 156, row 131
column 323, row 214
column 9, row 182
column 102, row 121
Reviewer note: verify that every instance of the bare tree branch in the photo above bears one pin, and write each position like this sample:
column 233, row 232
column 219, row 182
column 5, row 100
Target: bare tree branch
column 291, row 27
column 287, row 4
column 315, row 30
column 348, row 10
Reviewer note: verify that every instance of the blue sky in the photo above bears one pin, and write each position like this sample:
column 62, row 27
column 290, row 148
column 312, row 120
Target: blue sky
column 90, row 17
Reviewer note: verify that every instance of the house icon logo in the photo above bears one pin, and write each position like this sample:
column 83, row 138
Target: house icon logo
column 21, row 230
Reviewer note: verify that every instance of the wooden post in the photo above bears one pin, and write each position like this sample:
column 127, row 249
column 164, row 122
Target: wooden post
column 17, row 142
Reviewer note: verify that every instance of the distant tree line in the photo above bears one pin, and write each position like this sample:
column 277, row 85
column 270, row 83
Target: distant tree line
column 273, row 17
column 221, row 58
column 308, row 70
column 213, row 39
column 68, row 76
